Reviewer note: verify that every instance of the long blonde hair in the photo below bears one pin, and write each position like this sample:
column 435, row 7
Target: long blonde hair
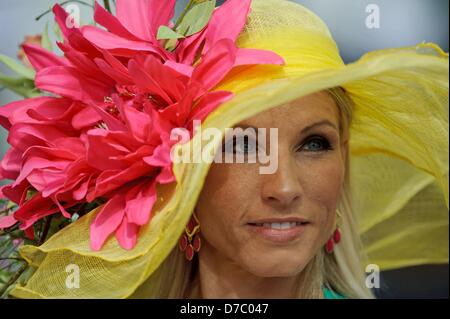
column 342, row 271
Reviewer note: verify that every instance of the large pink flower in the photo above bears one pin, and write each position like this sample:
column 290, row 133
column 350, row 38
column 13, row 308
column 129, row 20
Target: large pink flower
column 128, row 33
column 118, row 94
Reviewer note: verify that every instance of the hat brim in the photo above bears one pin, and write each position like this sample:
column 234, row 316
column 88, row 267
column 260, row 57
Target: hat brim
column 399, row 151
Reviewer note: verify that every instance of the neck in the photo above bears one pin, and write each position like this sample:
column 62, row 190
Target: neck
column 220, row 277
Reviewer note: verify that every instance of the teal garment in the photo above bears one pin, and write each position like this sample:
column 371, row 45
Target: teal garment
column 329, row 294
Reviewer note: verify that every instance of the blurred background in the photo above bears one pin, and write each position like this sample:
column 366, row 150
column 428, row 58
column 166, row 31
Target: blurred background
column 401, row 23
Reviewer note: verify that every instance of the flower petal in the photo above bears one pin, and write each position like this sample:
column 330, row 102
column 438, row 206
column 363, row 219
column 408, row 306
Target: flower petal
column 61, row 208
column 107, row 221
column 146, row 81
column 38, row 163
column 139, row 123
column 69, row 82
column 160, row 156
column 215, row 65
column 84, row 64
column 41, row 58
column 88, row 116
column 126, row 234
column 208, row 103
column 220, row 27
column 16, row 194
column 24, row 136
column 135, row 16
column 17, row 111
column 110, row 22
column 111, row 180
column 80, row 192
column 182, row 68
column 109, row 41
column 118, row 76
column 143, row 17
column 255, row 56
column 161, row 13
column 104, row 149
column 7, row 221
column 166, row 176
column 174, row 83
column 33, row 210
column 11, row 163
column 61, row 17
column 189, row 48
column 139, row 202
column 53, row 111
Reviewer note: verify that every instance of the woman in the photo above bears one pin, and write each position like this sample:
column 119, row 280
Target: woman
column 357, row 154
column 243, row 257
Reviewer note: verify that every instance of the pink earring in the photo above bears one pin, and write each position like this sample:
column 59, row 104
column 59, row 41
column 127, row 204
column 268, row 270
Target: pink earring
column 335, row 238
column 190, row 241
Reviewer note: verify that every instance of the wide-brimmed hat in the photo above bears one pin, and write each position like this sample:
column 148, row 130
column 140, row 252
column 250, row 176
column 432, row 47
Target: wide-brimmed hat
column 398, row 147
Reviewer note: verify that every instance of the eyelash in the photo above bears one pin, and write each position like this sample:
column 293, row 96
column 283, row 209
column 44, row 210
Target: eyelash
column 326, row 146
column 246, row 140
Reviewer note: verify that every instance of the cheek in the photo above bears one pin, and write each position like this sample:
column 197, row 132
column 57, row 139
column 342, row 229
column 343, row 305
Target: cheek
column 224, row 199
column 322, row 181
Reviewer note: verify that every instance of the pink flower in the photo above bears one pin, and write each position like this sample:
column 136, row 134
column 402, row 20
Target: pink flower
column 128, row 33
column 29, row 39
column 118, row 94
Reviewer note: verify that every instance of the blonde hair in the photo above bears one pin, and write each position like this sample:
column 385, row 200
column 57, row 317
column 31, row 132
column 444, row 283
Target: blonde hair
column 342, row 271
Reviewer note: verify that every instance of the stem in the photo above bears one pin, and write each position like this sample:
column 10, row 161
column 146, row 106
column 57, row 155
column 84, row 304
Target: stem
column 12, row 258
column 13, row 279
column 46, row 229
column 186, row 9
column 107, row 6
column 25, row 266
column 9, row 230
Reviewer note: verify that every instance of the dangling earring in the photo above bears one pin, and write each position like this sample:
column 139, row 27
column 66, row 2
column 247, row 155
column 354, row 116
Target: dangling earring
column 336, row 237
column 190, row 241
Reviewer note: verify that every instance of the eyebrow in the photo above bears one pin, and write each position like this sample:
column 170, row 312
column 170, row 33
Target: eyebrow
column 304, row 130
column 320, row 123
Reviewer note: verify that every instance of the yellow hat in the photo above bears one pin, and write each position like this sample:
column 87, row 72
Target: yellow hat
column 398, row 144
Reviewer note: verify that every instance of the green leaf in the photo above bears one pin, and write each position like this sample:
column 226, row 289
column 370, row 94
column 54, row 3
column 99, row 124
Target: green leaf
column 196, row 18
column 164, row 32
column 17, row 67
column 57, row 32
column 22, row 86
column 46, row 43
column 11, row 204
column 170, row 45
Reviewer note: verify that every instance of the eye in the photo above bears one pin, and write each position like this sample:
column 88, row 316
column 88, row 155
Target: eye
column 316, row 144
column 243, row 145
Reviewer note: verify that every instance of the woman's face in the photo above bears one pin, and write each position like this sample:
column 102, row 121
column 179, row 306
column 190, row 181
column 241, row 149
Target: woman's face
column 241, row 210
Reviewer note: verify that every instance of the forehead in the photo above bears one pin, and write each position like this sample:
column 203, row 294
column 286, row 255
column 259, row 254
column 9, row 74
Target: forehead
column 301, row 112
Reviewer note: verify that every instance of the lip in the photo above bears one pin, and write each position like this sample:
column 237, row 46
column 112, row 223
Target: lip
column 278, row 236
column 279, row 220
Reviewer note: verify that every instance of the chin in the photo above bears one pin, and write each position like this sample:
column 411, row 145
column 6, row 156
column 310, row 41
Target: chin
column 276, row 267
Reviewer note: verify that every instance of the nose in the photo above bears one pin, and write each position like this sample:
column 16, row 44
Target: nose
column 282, row 189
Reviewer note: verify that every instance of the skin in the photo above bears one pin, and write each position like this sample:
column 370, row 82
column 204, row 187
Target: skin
column 233, row 261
